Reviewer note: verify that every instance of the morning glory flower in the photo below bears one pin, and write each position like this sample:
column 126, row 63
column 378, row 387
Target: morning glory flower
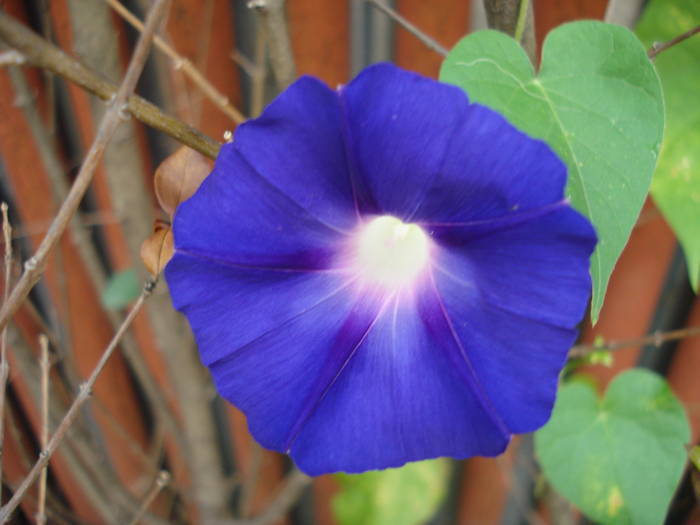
column 383, row 273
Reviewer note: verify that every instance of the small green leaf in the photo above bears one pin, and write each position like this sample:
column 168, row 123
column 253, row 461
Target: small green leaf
column 596, row 101
column 676, row 184
column 404, row 496
column 619, row 458
column 694, row 456
column 121, row 289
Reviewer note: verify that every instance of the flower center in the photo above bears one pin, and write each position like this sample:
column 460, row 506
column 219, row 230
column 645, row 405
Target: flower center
column 391, row 252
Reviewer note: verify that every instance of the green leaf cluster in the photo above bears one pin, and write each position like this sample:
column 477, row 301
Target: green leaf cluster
column 676, row 184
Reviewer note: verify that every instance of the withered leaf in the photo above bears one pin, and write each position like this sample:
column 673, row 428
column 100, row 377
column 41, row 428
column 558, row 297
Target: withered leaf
column 158, row 249
column 179, row 176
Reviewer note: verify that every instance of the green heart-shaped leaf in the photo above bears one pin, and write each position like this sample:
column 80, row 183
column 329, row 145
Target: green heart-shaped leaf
column 596, row 101
column 619, row 459
column 676, row 184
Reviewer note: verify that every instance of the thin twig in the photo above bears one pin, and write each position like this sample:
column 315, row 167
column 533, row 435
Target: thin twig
column 660, row 48
column 86, row 248
column 408, row 26
column 656, row 339
column 45, row 365
column 42, row 53
column 74, row 410
column 161, row 481
column 4, row 367
column 273, row 18
column 35, row 266
column 84, row 464
column 11, row 58
column 183, row 64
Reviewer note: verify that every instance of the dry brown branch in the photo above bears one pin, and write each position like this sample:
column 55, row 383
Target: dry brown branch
column 44, row 438
column 408, row 26
column 183, row 64
column 4, row 367
column 77, row 452
column 74, row 410
column 94, row 478
column 656, row 339
column 88, row 253
column 41, row 53
column 161, row 481
column 35, row 266
column 274, row 19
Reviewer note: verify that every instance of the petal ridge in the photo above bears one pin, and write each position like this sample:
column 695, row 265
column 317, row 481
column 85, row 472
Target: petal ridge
column 360, row 192
column 480, row 391
column 316, row 397
column 281, row 192
column 229, row 264
column 281, row 325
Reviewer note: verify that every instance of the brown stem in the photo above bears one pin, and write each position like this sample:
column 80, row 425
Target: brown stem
column 660, row 48
column 45, row 365
column 54, row 168
column 4, row 367
column 408, row 26
column 41, row 53
column 35, row 266
column 275, row 22
column 74, row 410
column 656, row 339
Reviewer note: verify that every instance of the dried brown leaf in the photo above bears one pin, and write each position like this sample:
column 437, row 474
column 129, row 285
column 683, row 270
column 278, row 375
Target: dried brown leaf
column 158, row 249
column 179, row 176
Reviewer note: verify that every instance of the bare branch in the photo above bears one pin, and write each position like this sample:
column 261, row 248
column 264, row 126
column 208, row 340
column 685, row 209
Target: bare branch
column 74, row 410
column 161, row 481
column 275, row 21
column 43, row 54
column 656, row 339
column 408, row 26
column 45, row 365
column 4, row 367
column 660, row 48
column 52, row 163
column 179, row 62
column 35, row 266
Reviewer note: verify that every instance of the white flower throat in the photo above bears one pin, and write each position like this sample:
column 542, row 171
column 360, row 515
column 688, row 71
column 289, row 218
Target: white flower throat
column 390, row 252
